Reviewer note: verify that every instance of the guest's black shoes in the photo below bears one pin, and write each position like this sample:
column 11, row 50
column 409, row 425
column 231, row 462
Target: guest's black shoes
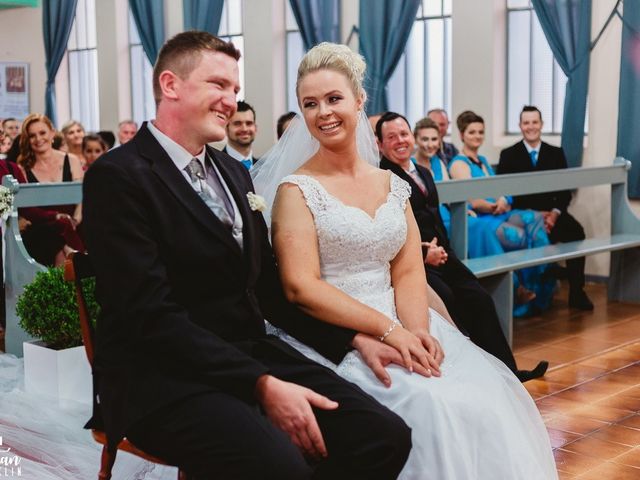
column 578, row 299
column 539, row 371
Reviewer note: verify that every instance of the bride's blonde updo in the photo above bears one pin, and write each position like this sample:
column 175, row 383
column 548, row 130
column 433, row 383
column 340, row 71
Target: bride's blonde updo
column 339, row 58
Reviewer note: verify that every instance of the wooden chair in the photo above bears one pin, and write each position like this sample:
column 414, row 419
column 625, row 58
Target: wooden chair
column 76, row 268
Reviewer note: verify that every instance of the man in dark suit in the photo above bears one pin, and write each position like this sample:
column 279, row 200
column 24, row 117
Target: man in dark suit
column 531, row 154
column 470, row 306
column 241, row 133
column 185, row 276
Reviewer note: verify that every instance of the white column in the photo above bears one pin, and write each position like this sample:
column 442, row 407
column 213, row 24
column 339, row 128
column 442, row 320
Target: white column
column 264, row 52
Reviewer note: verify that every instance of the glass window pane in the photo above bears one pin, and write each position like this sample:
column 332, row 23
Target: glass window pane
column 290, row 19
column 518, row 3
column 81, row 24
column 559, row 94
column 431, row 8
column 224, row 21
column 541, row 72
column 397, row 88
column 414, row 81
column 446, row 7
column 435, row 65
column 518, row 74
column 91, row 24
column 235, row 16
column 295, row 52
column 448, row 66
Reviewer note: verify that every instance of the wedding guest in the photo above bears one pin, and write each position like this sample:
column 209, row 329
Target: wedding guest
column 93, row 146
column 429, row 141
column 73, row 133
column 531, row 154
column 283, row 123
column 42, row 164
column 126, row 131
column 186, row 276
column 439, row 115
column 108, row 137
column 241, row 133
column 470, row 305
column 515, row 229
column 11, row 127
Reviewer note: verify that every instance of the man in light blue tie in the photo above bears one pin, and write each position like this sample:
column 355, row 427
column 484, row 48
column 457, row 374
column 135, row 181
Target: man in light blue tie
column 241, row 132
column 532, row 154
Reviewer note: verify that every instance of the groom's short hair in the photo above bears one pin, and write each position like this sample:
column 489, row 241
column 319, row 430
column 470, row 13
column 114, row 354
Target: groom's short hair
column 388, row 117
column 181, row 54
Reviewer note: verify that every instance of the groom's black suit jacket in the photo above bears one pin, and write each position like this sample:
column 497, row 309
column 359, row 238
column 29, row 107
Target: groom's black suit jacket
column 182, row 304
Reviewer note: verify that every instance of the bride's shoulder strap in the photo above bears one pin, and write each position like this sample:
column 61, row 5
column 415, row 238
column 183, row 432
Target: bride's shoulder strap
column 400, row 189
column 311, row 191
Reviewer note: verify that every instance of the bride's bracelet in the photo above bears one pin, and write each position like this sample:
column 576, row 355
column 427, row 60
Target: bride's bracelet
column 389, row 330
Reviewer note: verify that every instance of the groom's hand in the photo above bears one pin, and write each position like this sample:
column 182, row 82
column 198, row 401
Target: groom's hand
column 378, row 355
column 288, row 406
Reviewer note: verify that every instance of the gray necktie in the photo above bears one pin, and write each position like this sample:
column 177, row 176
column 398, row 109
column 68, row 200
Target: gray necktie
column 214, row 202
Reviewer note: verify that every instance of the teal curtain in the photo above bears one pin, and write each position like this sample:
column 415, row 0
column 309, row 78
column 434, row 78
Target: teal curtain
column 567, row 27
column 318, row 20
column 57, row 19
column 629, row 100
column 202, row 15
column 385, row 26
column 149, row 18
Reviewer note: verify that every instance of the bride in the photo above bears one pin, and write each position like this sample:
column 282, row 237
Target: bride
column 348, row 251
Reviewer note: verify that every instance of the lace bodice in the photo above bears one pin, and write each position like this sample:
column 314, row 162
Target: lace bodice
column 355, row 249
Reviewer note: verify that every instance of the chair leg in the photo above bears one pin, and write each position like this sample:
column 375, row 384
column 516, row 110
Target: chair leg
column 182, row 475
column 107, row 459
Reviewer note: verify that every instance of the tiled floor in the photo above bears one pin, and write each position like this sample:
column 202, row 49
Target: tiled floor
column 590, row 398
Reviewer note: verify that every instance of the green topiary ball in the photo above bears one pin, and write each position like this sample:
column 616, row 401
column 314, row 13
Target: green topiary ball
column 48, row 309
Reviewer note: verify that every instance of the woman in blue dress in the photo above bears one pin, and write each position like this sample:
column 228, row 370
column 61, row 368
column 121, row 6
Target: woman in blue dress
column 514, row 229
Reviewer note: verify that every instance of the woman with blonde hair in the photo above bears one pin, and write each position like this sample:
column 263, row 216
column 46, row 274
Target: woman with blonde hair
column 73, row 132
column 348, row 251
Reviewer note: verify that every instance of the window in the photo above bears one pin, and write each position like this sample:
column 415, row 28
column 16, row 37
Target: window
column 143, row 106
column 231, row 31
column 82, row 58
column 294, row 53
column 533, row 76
column 422, row 79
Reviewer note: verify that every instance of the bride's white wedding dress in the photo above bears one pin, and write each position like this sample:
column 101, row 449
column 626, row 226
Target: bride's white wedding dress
column 476, row 421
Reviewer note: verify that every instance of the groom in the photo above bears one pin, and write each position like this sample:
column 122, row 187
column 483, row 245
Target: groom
column 185, row 277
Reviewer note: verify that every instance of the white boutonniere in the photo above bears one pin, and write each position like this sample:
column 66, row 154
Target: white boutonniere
column 6, row 201
column 256, row 202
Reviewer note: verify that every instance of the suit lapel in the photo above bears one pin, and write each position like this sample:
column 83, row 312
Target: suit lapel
column 168, row 173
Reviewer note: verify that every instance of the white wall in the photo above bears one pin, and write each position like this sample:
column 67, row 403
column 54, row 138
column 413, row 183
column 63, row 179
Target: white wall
column 21, row 41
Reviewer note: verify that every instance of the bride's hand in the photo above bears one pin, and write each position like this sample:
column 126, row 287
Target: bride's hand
column 411, row 347
column 431, row 344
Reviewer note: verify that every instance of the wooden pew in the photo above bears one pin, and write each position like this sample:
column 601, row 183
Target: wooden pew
column 19, row 267
column 495, row 271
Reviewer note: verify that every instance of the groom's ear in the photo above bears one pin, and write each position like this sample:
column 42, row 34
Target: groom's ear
column 168, row 84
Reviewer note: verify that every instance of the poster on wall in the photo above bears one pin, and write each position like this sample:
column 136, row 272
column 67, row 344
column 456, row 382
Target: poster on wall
column 14, row 89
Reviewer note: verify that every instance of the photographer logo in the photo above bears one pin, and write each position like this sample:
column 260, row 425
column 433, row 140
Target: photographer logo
column 9, row 463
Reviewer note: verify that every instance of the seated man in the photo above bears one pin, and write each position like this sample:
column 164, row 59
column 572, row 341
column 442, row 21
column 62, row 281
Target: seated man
column 470, row 306
column 185, row 277
column 531, row 154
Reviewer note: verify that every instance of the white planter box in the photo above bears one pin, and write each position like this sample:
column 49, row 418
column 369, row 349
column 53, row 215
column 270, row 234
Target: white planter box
column 64, row 374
